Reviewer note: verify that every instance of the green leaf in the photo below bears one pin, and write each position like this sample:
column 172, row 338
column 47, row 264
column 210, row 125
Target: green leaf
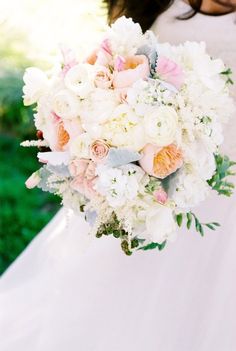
column 189, row 220
column 179, row 219
column 153, row 245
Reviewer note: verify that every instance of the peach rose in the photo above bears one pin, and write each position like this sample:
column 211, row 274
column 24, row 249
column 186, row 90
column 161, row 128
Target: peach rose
column 134, row 68
column 85, row 178
column 62, row 137
column 99, row 150
column 103, row 78
column 170, row 72
column 161, row 162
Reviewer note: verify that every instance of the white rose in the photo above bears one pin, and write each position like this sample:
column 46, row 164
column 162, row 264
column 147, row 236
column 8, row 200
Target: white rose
column 160, row 223
column 99, row 106
column 36, row 84
column 80, row 146
column 124, row 129
column 160, row 126
column 78, row 80
column 66, row 104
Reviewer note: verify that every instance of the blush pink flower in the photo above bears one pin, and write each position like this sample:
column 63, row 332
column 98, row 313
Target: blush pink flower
column 85, row 178
column 161, row 162
column 102, row 55
column 103, row 78
column 33, row 180
column 99, row 150
column 170, row 72
column 135, row 68
column 160, row 196
column 69, row 59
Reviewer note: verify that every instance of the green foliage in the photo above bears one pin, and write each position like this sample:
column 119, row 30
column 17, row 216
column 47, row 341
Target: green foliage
column 152, row 246
column 191, row 218
column 14, row 117
column 152, row 185
column 223, row 169
column 228, row 75
column 23, row 212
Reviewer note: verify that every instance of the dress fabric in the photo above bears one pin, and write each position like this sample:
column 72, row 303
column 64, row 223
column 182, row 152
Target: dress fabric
column 68, row 291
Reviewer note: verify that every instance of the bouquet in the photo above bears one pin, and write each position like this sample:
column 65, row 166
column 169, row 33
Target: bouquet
column 129, row 136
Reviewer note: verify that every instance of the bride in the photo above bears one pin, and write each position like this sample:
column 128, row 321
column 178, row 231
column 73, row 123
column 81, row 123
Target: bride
column 70, row 292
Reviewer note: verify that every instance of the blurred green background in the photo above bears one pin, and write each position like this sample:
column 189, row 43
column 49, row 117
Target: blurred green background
column 29, row 36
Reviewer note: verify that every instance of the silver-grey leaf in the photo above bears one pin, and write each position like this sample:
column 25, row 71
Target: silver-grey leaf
column 120, row 157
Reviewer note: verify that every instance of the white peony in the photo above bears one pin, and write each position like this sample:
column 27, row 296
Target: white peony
column 188, row 190
column 66, row 105
column 80, row 146
column 161, row 125
column 200, row 158
column 99, row 106
column 125, row 36
column 78, row 79
column 36, row 84
column 160, row 223
column 124, row 129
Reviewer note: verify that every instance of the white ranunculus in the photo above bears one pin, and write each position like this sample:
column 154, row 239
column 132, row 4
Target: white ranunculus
column 161, row 126
column 66, row 104
column 124, row 129
column 80, row 146
column 188, row 190
column 160, row 223
column 99, row 106
column 78, row 80
column 36, row 84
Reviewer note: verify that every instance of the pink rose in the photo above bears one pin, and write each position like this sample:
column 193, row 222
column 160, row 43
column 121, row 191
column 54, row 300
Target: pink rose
column 84, row 172
column 103, row 78
column 160, row 196
column 170, row 72
column 161, row 162
column 33, row 180
column 135, row 68
column 99, row 150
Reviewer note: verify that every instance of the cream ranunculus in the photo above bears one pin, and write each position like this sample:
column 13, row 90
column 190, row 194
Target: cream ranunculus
column 78, row 79
column 66, row 104
column 99, row 106
column 161, row 126
column 36, row 84
column 124, row 129
column 80, row 147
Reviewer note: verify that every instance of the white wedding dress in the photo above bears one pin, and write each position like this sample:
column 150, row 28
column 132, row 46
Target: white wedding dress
column 69, row 292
